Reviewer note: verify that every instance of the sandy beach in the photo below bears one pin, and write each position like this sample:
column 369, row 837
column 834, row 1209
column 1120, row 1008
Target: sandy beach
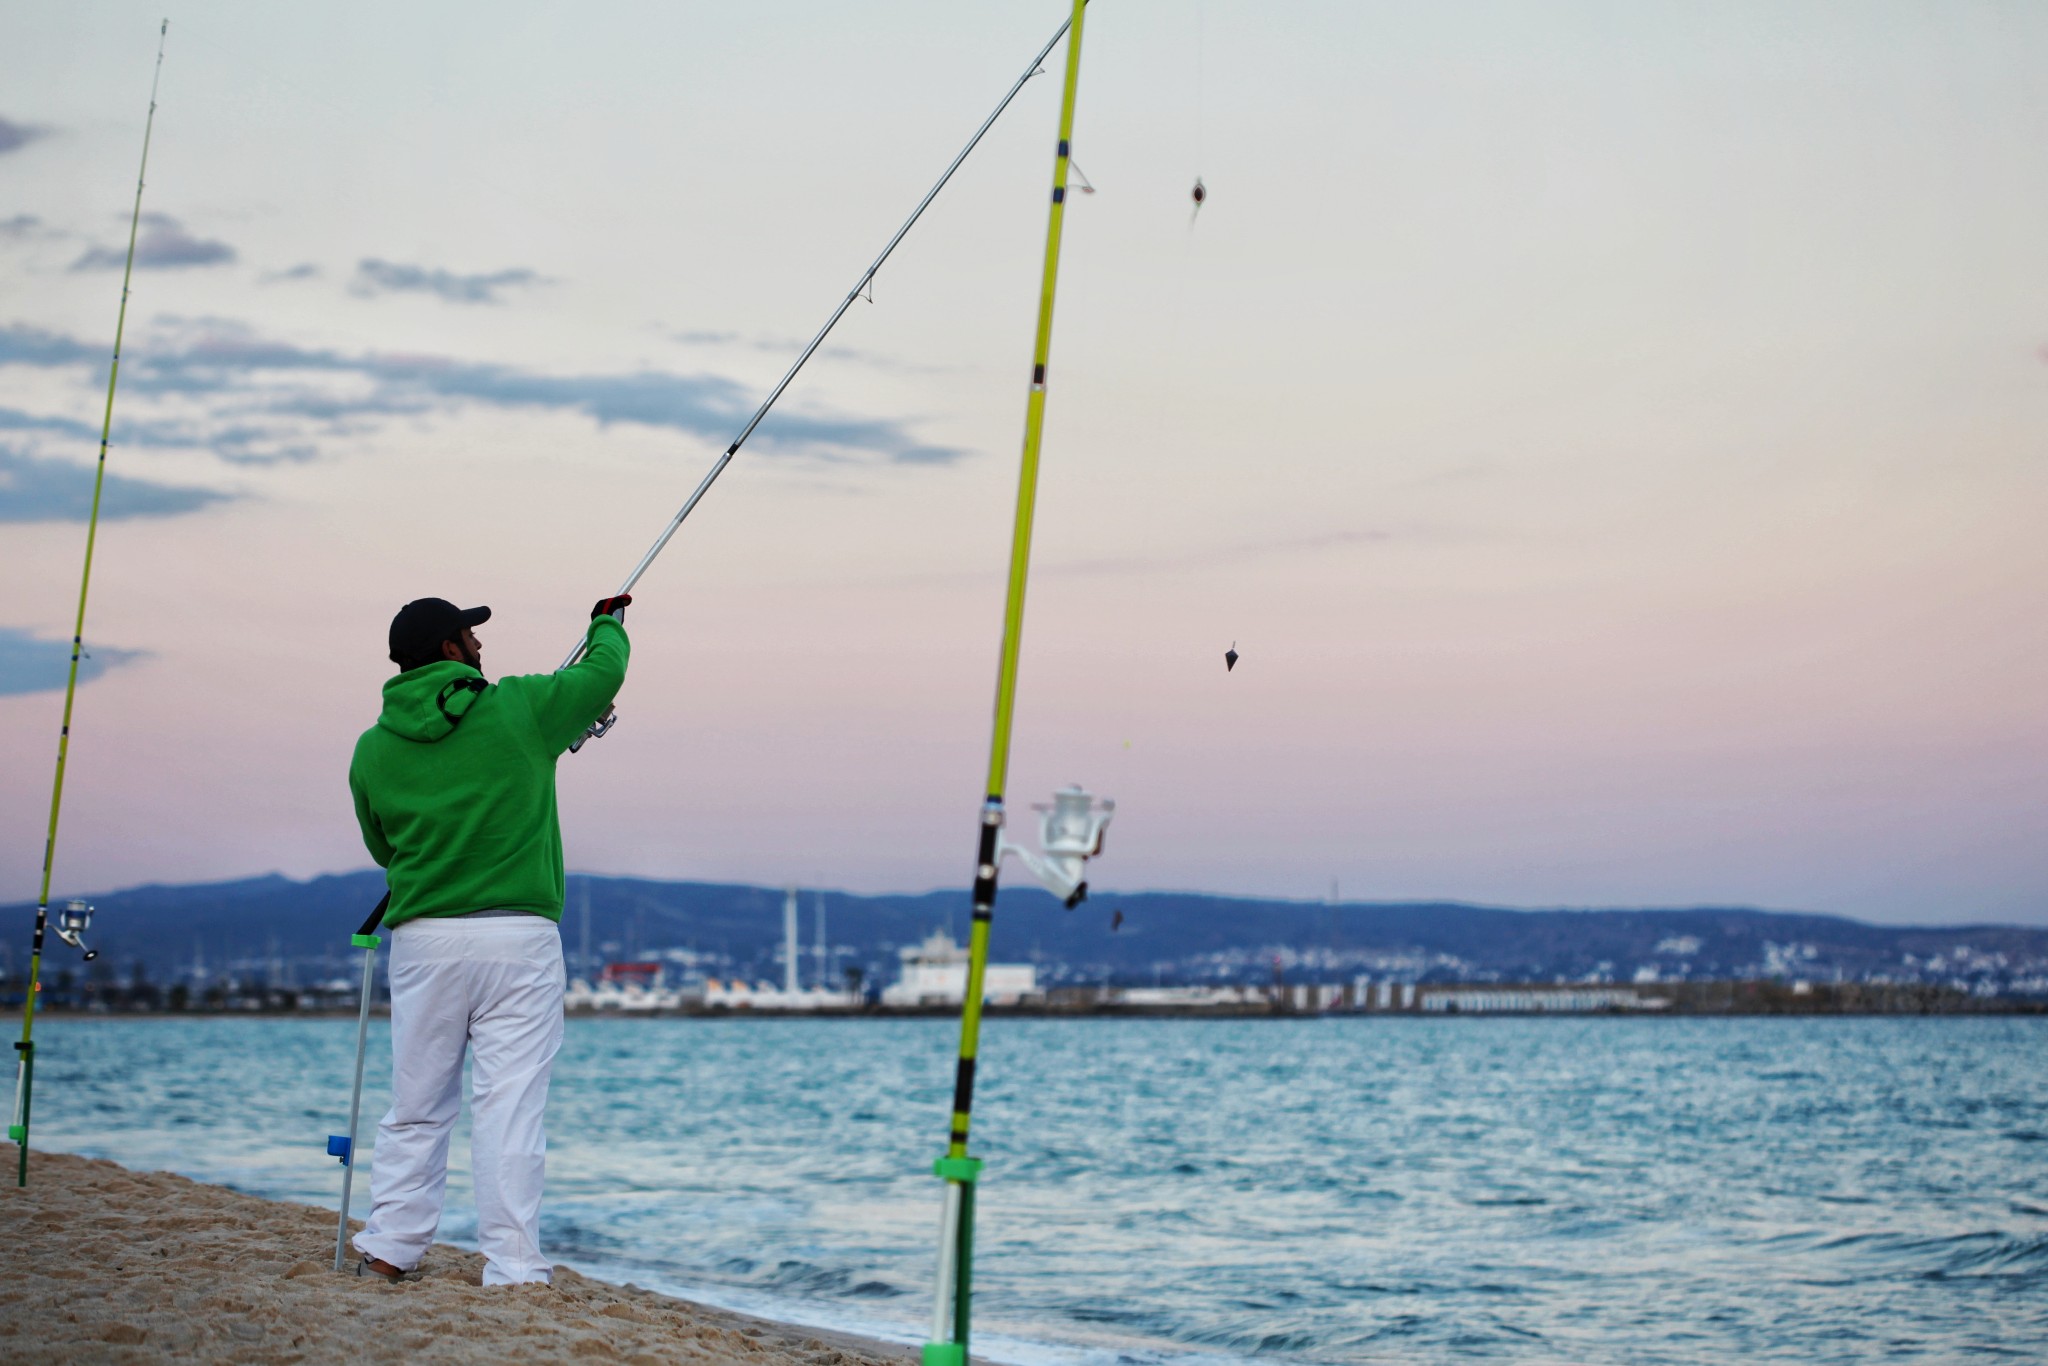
column 99, row 1263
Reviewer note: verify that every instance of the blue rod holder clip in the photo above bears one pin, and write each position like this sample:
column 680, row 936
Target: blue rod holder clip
column 338, row 1146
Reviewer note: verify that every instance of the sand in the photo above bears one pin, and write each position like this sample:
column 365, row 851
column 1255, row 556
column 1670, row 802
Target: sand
column 101, row 1264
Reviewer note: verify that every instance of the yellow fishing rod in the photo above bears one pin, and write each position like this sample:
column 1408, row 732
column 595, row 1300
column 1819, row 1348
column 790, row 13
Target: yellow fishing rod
column 1072, row 826
column 72, row 921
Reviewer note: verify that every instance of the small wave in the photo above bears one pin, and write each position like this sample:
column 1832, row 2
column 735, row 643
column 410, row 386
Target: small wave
column 1984, row 1253
column 825, row 1282
column 876, row 1290
column 1253, row 1344
column 1997, row 1254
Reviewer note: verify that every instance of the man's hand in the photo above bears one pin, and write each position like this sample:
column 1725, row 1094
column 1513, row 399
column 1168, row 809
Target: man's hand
column 612, row 607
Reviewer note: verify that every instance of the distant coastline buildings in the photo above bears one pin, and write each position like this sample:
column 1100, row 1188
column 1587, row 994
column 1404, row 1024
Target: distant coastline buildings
column 933, row 976
column 269, row 945
column 934, row 973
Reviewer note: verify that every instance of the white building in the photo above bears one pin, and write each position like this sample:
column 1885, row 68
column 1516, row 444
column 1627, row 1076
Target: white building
column 739, row 995
column 1535, row 1000
column 792, row 994
column 1184, row 997
column 935, row 974
column 620, row 994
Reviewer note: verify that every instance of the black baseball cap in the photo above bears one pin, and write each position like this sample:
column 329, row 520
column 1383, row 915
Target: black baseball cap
column 422, row 624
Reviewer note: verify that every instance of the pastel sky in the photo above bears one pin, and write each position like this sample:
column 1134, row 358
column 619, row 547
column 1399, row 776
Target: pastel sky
column 1613, row 436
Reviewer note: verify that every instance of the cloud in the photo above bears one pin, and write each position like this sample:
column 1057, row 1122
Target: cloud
column 20, row 227
column 24, row 345
column 15, row 420
column 15, row 136
column 305, row 270
column 241, row 445
column 238, row 445
column 33, row 489
column 162, row 245
column 259, row 445
column 374, row 277
column 30, row 664
column 790, row 347
column 264, row 392
column 875, row 360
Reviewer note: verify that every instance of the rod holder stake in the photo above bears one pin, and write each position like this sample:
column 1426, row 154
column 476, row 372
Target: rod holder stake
column 962, row 1169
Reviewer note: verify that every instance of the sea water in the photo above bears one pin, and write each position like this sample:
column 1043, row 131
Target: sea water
column 1294, row 1190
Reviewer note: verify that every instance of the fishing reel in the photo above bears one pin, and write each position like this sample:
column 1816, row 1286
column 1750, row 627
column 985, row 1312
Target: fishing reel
column 1070, row 833
column 597, row 729
column 73, row 920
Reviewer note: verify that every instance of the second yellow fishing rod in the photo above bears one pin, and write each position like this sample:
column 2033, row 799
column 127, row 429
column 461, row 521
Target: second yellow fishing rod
column 72, row 921
column 952, row 1301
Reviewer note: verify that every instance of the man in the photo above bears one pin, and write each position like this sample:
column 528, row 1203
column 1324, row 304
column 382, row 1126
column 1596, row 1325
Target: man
column 455, row 791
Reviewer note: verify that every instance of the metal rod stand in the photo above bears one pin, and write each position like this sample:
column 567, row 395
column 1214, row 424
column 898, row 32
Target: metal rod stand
column 368, row 944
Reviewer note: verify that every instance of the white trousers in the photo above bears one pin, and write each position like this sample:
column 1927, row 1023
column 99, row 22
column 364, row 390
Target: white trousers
column 492, row 985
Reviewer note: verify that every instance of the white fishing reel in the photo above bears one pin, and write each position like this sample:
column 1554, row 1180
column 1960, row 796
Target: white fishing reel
column 74, row 918
column 1070, row 832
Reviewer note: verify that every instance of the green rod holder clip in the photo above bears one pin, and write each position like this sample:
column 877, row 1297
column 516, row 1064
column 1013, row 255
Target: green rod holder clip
column 966, row 1170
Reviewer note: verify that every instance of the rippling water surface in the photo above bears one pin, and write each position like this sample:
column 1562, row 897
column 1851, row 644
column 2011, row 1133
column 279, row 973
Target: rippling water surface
column 1291, row 1190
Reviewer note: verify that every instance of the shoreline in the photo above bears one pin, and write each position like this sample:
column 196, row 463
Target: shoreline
column 1767, row 1008
column 105, row 1264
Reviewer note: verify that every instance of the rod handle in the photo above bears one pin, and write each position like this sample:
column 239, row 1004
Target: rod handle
column 369, row 929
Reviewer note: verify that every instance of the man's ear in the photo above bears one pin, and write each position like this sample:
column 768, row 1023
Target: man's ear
column 452, row 649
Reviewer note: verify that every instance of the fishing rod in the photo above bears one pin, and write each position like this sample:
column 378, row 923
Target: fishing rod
column 599, row 727
column 1071, row 828
column 25, row 1068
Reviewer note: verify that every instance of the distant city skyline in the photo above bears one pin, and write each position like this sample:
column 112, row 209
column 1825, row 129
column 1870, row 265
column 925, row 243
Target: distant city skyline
column 1611, row 441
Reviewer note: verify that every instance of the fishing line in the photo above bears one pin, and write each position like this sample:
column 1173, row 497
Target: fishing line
column 1201, row 62
column 860, row 287
column 24, row 1068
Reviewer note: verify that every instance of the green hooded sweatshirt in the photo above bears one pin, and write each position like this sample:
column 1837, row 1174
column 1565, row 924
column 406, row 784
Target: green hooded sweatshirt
column 455, row 784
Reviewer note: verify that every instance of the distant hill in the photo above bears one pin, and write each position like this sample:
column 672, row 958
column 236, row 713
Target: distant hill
column 243, row 926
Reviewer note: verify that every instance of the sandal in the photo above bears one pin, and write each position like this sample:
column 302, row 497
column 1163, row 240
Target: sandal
column 375, row 1266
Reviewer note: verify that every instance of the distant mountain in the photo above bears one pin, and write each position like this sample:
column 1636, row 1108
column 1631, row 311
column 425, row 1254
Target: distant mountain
column 248, row 926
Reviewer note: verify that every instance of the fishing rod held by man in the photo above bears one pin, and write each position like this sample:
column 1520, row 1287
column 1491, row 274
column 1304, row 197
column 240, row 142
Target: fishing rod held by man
column 863, row 287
